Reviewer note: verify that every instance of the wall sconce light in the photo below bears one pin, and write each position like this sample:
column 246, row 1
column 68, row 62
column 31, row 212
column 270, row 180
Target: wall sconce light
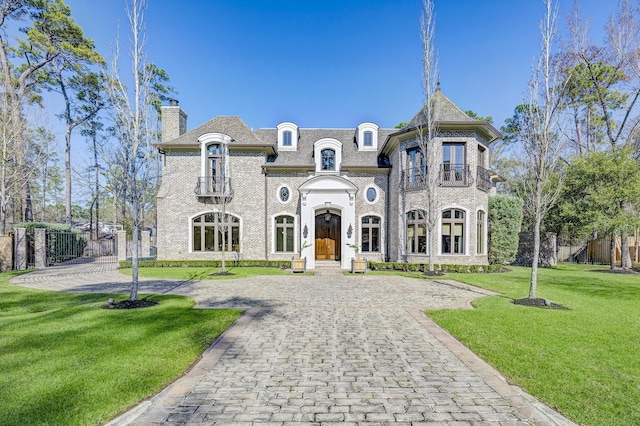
column 349, row 231
column 305, row 232
column 327, row 216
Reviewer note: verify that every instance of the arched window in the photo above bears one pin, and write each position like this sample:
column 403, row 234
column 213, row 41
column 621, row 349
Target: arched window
column 453, row 231
column 213, row 232
column 416, row 232
column 284, row 234
column 480, row 226
column 328, row 160
column 370, row 238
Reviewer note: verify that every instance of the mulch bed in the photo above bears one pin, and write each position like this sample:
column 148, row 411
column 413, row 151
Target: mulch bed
column 538, row 303
column 130, row 304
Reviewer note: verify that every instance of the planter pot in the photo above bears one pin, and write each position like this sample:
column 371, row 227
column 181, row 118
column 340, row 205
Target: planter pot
column 299, row 264
column 358, row 265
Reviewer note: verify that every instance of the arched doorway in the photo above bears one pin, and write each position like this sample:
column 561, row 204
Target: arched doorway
column 327, row 239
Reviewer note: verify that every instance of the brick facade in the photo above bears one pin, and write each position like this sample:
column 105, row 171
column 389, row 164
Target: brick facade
column 365, row 181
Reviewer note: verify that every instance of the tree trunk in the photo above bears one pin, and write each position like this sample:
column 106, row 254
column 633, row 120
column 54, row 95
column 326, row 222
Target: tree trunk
column 625, row 254
column 67, row 176
column 533, row 284
column 612, row 250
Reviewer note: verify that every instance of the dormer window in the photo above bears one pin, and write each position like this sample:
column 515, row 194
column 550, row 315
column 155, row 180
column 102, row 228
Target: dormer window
column 367, row 137
column 286, row 138
column 328, row 160
column 288, row 135
column 327, row 154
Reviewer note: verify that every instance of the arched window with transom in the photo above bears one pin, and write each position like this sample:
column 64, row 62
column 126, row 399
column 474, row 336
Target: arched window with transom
column 453, row 231
column 216, row 232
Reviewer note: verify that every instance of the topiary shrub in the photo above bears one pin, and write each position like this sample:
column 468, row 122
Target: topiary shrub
column 505, row 218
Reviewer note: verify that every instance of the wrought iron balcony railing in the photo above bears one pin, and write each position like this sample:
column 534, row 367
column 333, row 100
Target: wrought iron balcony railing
column 483, row 179
column 415, row 178
column 214, row 186
column 458, row 175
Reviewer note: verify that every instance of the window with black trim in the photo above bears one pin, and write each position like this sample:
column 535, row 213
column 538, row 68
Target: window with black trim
column 212, row 232
column 416, row 232
column 480, row 232
column 328, row 160
column 284, row 234
column 453, row 231
column 370, row 239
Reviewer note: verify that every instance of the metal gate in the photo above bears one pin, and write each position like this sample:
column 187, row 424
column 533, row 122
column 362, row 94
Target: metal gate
column 70, row 247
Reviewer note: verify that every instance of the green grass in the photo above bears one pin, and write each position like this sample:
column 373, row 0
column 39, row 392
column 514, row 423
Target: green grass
column 66, row 361
column 204, row 273
column 584, row 361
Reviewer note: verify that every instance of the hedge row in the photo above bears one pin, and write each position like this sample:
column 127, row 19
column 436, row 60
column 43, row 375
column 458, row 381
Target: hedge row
column 286, row 264
column 422, row 267
column 282, row 264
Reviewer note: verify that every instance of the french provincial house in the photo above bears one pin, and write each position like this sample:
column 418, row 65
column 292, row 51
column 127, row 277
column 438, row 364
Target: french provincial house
column 328, row 194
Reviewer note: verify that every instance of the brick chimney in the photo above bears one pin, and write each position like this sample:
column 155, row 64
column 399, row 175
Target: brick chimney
column 174, row 121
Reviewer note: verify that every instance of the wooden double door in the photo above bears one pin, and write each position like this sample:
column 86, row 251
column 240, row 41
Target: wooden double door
column 327, row 237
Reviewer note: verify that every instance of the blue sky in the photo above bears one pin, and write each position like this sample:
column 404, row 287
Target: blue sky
column 333, row 63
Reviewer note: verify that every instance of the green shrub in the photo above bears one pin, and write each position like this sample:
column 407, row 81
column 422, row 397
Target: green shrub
column 421, row 267
column 207, row 263
column 505, row 218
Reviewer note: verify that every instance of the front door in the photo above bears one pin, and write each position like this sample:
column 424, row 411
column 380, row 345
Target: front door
column 327, row 236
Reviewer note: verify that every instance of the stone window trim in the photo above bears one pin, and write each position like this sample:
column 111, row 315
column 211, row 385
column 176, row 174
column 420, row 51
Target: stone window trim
column 291, row 129
column 366, row 194
column 279, row 193
column 274, row 228
column 212, row 139
column 457, row 223
column 238, row 249
column 327, row 144
column 367, row 136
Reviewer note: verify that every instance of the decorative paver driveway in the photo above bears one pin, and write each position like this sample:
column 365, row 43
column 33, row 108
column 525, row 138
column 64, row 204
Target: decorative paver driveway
column 324, row 349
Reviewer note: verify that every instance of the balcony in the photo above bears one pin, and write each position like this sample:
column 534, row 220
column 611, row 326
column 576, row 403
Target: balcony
column 455, row 175
column 214, row 187
column 483, row 179
column 415, row 178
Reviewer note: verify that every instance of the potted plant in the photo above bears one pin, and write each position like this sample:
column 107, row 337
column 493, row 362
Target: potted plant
column 299, row 264
column 357, row 264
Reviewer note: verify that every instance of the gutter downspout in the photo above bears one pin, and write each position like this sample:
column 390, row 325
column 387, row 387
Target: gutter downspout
column 266, row 218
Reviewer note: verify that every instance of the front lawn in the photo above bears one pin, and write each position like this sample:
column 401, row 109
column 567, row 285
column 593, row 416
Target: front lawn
column 66, row 361
column 205, row 273
column 584, row 361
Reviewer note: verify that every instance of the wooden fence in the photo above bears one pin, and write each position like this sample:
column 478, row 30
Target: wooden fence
column 596, row 251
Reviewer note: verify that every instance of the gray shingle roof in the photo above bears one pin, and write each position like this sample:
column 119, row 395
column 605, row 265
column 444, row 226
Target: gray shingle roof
column 444, row 111
column 304, row 154
column 229, row 125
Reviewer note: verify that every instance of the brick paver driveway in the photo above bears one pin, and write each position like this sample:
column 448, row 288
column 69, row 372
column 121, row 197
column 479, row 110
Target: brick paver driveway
column 324, row 349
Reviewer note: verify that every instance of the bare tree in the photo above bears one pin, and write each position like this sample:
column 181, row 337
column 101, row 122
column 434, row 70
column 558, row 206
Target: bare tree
column 132, row 115
column 539, row 136
column 427, row 130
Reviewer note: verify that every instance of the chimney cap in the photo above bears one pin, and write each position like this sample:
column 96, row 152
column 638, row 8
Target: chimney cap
column 173, row 102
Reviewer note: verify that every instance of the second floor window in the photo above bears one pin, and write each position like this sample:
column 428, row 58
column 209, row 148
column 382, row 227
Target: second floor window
column 416, row 168
column 215, row 160
column 328, row 160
